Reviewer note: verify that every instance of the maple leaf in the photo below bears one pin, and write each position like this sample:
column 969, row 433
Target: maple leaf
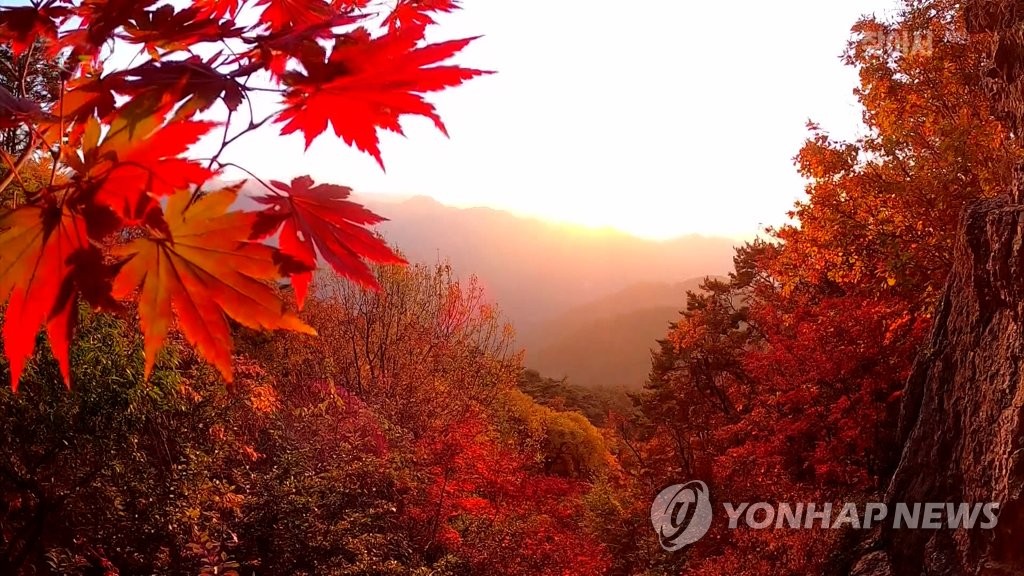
column 284, row 14
column 99, row 20
column 46, row 260
column 170, row 29
column 204, row 271
column 15, row 111
column 138, row 160
column 368, row 83
column 193, row 82
column 217, row 9
column 418, row 13
column 274, row 50
column 23, row 25
column 89, row 95
column 321, row 219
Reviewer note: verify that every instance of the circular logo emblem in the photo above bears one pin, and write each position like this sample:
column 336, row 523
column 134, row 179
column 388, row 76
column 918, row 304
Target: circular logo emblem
column 681, row 514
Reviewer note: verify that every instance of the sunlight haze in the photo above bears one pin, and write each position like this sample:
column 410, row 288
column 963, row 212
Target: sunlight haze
column 656, row 118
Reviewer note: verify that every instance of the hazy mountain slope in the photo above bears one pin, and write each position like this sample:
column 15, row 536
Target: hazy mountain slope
column 536, row 270
column 607, row 342
column 639, row 296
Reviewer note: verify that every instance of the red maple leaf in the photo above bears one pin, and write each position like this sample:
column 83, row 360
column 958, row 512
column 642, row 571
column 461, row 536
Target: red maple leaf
column 321, row 218
column 193, row 82
column 285, row 14
column 99, row 20
column 46, row 260
column 138, row 160
column 418, row 12
column 276, row 49
column 89, row 95
column 217, row 9
column 15, row 111
column 203, row 270
column 368, row 83
column 170, row 29
column 23, row 25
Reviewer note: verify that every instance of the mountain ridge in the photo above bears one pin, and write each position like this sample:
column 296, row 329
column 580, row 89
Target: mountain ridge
column 545, row 276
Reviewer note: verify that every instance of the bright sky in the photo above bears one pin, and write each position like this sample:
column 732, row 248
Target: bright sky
column 656, row 117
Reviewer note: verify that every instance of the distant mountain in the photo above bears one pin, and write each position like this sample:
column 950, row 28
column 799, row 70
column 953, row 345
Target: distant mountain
column 550, row 280
column 535, row 269
column 607, row 342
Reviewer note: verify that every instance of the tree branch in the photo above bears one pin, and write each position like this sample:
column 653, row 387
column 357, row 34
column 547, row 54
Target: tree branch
column 17, row 166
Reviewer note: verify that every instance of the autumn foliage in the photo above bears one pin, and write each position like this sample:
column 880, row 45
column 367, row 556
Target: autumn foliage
column 381, row 420
column 127, row 216
column 400, row 447
column 784, row 383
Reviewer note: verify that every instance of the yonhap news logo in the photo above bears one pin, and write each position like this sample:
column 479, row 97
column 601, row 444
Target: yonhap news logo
column 682, row 514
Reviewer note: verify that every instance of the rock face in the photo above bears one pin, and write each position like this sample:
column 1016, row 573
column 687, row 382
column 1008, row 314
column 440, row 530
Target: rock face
column 962, row 423
column 999, row 25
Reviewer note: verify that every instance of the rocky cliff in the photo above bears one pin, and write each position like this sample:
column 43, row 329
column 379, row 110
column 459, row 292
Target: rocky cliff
column 962, row 422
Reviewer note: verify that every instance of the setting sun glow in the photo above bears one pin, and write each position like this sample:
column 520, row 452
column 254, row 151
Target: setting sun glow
column 626, row 133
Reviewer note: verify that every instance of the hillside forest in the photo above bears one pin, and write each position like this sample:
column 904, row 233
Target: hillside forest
column 210, row 378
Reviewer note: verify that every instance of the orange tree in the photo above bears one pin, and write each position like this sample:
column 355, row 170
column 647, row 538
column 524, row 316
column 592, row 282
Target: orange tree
column 126, row 215
column 785, row 382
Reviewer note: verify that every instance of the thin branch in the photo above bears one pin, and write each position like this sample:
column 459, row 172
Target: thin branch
column 56, row 154
column 15, row 171
column 24, row 70
column 252, row 126
column 255, row 177
column 18, row 165
column 225, row 141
